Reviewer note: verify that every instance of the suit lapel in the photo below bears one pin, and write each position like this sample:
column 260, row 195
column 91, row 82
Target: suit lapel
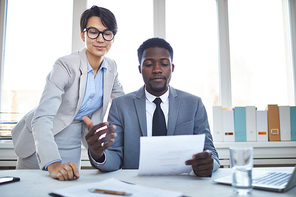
column 83, row 77
column 140, row 104
column 174, row 104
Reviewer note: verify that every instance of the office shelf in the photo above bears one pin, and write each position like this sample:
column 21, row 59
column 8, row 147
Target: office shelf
column 279, row 153
column 282, row 153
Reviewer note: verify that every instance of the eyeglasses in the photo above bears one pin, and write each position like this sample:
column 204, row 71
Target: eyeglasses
column 93, row 33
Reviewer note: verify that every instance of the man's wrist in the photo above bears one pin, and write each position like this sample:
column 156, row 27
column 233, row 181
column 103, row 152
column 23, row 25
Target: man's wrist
column 96, row 158
column 100, row 159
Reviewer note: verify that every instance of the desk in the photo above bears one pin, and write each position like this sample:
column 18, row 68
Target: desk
column 38, row 183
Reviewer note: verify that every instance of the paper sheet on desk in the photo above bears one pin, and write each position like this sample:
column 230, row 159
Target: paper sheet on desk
column 166, row 155
column 115, row 185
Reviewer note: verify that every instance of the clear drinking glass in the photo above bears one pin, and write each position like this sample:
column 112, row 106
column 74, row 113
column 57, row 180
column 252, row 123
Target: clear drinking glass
column 241, row 161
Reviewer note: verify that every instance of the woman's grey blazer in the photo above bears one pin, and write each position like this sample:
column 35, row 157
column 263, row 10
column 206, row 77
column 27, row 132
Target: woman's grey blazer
column 59, row 104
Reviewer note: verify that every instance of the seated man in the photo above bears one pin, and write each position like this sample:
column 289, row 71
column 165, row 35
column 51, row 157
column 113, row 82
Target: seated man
column 131, row 116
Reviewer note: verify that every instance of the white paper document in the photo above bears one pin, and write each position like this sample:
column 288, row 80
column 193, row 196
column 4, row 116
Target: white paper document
column 166, row 155
column 114, row 185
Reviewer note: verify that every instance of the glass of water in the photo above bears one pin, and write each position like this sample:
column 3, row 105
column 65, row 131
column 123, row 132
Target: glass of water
column 241, row 162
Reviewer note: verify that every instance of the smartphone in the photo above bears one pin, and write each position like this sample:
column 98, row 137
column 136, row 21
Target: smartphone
column 8, row 179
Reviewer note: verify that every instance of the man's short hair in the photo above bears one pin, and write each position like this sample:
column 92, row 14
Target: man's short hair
column 154, row 42
column 107, row 17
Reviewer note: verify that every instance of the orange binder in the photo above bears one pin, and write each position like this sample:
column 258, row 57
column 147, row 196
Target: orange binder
column 273, row 123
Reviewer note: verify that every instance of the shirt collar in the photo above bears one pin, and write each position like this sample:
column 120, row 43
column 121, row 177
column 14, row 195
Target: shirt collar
column 103, row 66
column 151, row 97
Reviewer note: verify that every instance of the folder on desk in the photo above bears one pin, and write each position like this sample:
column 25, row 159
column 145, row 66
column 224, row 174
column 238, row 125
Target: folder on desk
column 240, row 124
column 262, row 125
column 217, row 124
column 251, row 127
column 273, row 123
column 228, row 126
column 285, row 126
column 293, row 122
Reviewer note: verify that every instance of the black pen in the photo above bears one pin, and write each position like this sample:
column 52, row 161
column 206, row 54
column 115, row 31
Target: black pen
column 103, row 191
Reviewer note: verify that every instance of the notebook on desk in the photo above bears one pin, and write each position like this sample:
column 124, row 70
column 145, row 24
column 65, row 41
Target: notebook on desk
column 267, row 180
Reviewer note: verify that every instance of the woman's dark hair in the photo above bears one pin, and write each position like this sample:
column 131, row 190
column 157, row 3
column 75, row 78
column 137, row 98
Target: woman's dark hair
column 107, row 17
column 154, row 42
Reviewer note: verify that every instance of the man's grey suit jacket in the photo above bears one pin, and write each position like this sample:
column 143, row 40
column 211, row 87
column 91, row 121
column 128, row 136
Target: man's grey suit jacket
column 60, row 101
column 187, row 116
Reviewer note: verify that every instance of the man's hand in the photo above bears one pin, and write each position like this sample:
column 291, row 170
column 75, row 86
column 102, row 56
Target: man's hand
column 96, row 140
column 202, row 163
column 63, row 172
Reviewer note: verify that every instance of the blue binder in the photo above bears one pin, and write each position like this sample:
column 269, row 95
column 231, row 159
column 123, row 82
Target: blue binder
column 240, row 124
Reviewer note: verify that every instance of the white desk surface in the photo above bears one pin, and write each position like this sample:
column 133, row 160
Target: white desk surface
column 38, row 183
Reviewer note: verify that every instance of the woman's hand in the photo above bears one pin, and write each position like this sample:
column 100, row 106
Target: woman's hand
column 63, row 172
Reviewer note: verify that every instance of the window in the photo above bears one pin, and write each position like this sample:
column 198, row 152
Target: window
column 135, row 25
column 260, row 69
column 37, row 33
column 191, row 29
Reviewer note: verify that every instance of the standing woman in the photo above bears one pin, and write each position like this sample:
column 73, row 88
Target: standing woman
column 80, row 84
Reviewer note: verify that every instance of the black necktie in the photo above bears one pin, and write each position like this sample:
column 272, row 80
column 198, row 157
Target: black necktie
column 158, row 121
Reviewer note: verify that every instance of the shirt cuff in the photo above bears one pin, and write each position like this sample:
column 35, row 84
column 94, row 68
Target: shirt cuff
column 216, row 165
column 54, row 161
column 95, row 162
